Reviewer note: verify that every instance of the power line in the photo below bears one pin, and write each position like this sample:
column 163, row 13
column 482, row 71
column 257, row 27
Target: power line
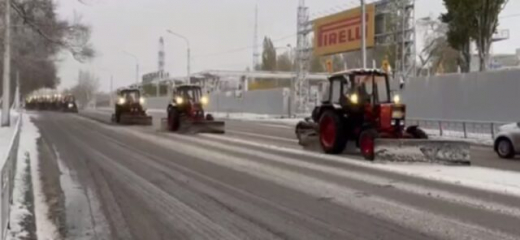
column 510, row 16
column 241, row 48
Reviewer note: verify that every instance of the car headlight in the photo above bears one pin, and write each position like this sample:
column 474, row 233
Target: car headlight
column 179, row 100
column 354, row 98
column 142, row 100
column 397, row 99
column 204, row 100
column 121, row 101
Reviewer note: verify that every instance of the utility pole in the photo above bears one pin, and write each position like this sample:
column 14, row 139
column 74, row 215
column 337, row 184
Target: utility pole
column 188, row 52
column 17, row 92
column 363, row 34
column 111, row 90
column 7, row 65
column 136, row 66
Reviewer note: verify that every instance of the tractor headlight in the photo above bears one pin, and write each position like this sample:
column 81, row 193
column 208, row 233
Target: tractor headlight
column 354, row 98
column 121, row 101
column 204, row 100
column 397, row 99
column 71, row 105
column 179, row 100
column 142, row 100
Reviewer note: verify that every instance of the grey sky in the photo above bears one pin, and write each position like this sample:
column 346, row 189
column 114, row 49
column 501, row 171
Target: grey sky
column 213, row 26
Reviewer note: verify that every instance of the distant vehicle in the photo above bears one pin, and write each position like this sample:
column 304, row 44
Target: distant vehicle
column 129, row 108
column 186, row 111
column 507, row 141
column 68, row 104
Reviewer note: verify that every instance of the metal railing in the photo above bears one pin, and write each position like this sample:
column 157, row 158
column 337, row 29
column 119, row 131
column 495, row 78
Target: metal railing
column 7, row 177
column 458, row 128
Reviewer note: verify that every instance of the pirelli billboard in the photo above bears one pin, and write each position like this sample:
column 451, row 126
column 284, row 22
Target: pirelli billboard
column 341, row 32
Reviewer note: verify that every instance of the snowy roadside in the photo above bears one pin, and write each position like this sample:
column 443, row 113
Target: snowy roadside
column 28, row 199
column 6, row 137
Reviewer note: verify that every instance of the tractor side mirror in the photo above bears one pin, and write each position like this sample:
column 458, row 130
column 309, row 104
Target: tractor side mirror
column 401, row 83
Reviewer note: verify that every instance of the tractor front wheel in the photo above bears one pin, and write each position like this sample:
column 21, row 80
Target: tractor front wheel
column 118, row 116
column 332, row 133
column 173, row 120
column 367, row 143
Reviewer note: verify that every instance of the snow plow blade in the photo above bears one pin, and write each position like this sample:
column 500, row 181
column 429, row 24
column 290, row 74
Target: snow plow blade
column 208, row 127
column 136, row 120
column 422, row 150
column 205, row 126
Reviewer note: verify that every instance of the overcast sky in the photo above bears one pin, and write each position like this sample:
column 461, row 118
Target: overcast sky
column 212, row 26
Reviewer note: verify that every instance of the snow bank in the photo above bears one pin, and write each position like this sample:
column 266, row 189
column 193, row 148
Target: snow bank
column 7, row 135
column 45, row 229
column 474, row 177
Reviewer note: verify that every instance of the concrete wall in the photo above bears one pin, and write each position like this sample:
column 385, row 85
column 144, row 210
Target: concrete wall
column 490, row 96
column 272, row 102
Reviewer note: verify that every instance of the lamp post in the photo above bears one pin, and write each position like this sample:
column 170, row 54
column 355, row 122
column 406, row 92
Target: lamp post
column 136, row 65
column 188, row 52
column 111, row 85
column 363, row 34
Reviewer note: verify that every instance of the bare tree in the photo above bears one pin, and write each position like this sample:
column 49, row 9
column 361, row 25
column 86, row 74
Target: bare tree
column 38, row 36
column 86, row 88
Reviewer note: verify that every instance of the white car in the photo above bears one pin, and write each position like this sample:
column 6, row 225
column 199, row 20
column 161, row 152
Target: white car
column 507, row 141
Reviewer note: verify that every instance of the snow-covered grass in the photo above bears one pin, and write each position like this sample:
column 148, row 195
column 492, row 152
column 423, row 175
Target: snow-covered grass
column 476, row 138
column 469, row 176
column 7, row 135
column 45, row 229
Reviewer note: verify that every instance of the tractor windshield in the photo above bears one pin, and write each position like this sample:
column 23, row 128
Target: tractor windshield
column 131, row 96
column 191, row 94
column 372, row 85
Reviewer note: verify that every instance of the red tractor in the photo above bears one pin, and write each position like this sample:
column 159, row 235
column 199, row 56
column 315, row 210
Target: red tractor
column 359, row 108
column 186, row 112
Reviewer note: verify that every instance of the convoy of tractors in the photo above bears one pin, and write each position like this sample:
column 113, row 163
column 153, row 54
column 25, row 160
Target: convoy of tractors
column 360, row 108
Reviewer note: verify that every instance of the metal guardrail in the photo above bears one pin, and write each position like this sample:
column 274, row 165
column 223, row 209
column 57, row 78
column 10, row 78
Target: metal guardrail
column 7, row 178
column 459, row 128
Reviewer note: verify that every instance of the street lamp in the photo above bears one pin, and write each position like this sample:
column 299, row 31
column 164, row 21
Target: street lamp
column 136, row 66
column 188, row 52
column 363, row 34
column 111, row 84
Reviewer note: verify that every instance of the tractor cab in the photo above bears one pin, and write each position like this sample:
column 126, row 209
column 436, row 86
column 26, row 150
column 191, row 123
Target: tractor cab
column 366, row 97
column 190, row 95
column 130, row 96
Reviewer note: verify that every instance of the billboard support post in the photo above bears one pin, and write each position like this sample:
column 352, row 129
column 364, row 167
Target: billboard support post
column 363, row 34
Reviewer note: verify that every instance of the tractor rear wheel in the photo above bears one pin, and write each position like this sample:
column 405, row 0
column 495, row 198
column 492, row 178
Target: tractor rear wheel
column 367, row 143
column 173, row 120
column 332, row 133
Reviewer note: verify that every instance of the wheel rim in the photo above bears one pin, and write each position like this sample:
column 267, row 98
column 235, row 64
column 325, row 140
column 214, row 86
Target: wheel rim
column 327, row 132
column 504, row 148
column 367, row 145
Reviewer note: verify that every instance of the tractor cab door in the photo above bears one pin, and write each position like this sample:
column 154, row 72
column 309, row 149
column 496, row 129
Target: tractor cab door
column 335, row 91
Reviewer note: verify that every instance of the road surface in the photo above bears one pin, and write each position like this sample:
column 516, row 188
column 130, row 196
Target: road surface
column 141, row 183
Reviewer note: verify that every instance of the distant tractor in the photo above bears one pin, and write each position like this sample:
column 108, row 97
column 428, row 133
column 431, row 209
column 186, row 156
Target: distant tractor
column 185, row 112
column 68, row 104
column 360, row 108
column 129, row 108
